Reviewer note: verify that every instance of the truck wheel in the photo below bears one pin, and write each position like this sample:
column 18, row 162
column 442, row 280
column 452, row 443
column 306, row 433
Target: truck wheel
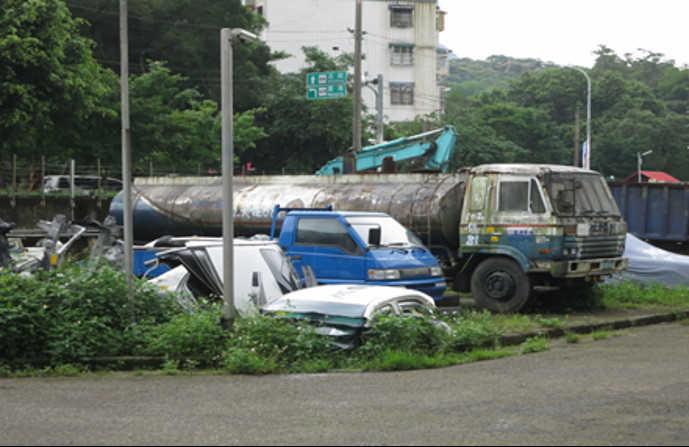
column 500, row 285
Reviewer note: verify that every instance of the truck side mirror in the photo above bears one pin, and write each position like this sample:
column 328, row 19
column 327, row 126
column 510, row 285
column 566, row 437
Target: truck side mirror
column 374, row 235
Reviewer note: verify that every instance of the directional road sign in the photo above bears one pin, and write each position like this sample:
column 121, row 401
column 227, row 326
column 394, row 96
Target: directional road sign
column 326, row 85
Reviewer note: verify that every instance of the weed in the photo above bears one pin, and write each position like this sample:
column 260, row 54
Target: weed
column 572, row 337
column 474, row 329
column 68, row 370
column 198, row 335
column 488, row 354
column 401, row 360
column 601, row 334
column 170, row 367
column 241, row 361
column 627, row 294
column 553, row 322
column 533, row 345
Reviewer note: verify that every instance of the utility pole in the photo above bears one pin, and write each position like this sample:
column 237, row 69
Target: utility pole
column 577, row 131
column 127, row 216
column 356, row 118
column 379, row 109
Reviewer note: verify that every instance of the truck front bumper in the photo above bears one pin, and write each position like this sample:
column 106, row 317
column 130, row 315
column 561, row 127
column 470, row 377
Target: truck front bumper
column 582, row 268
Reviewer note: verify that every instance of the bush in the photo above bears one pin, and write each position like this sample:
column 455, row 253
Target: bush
column 75, row 313
column 474, row 330
column 262, row 344
column 409, row 334
column 199, row 336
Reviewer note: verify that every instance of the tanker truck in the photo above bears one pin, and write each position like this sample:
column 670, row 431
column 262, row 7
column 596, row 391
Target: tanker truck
column 499, row 231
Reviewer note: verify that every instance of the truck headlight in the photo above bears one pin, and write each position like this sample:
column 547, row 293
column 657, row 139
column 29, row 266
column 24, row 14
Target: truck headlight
column 436, row 271
column 383, row 274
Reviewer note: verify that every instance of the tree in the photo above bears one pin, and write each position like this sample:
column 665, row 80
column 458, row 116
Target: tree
column 50, row 84
column 185, row 34
column 175, row 128
column 303, row 134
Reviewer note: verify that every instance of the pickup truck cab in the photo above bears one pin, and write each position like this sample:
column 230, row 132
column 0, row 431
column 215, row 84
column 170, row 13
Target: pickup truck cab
column 359, row 248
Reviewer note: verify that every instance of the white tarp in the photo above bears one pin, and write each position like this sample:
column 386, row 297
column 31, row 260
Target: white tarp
column 649, row 264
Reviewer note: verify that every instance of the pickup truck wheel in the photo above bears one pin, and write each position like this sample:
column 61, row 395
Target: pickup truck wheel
column 500, row 285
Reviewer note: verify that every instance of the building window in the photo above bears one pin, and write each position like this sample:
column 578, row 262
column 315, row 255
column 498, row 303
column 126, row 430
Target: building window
column 401, row 55
column 402, row 94
column 401, row 17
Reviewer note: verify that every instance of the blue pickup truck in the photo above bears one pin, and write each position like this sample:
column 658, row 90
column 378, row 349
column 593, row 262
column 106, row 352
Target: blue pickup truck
column 358, row 247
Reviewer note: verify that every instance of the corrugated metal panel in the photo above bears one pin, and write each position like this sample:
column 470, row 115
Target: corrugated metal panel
column 655, row 211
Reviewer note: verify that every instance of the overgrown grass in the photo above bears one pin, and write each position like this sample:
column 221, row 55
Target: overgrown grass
column 625, row 295
column 67, row 317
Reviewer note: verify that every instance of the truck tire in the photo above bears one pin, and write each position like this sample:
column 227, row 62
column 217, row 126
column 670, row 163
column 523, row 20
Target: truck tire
column 500, row 285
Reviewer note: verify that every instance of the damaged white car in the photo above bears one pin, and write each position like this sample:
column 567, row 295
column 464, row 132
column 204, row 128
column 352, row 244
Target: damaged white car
column 343, row 312
column 262, row 272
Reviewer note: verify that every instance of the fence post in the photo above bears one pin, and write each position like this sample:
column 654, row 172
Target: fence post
column 13, row 202
column 99, row 202
column 43, row 181
column 72, row 187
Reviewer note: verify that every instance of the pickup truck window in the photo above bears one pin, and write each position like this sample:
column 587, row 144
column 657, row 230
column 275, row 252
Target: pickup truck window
column 392, row 233
column 317, row 231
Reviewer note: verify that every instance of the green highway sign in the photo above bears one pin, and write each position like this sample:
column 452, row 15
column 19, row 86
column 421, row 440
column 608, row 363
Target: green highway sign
column 325, row 85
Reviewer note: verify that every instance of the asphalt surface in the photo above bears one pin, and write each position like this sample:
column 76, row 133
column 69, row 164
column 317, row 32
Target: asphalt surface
column 627, row 389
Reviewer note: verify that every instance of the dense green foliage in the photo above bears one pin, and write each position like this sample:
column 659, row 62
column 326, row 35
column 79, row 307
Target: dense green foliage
column 53, row 93
column 75, row 314
column 59, row 98
column 522, row 111
column 67, row 317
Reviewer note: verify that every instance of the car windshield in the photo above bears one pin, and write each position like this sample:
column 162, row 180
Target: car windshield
column 392, row 232
column 313, row 308
column 581, row 195
column 282, row 270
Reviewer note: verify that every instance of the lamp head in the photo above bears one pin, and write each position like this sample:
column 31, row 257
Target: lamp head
column 243, row 35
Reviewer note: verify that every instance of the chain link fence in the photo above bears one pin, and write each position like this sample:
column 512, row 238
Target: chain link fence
column 22, row 176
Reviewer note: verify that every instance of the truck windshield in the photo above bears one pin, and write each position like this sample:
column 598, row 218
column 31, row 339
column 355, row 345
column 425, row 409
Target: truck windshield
column 393, row 233
column 581, row 195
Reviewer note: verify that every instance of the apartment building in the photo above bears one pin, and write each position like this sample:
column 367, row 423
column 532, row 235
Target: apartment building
column 400, row 42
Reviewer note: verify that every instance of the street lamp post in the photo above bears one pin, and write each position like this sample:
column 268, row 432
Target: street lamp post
column 228, row 37
column 379, row 106
column 639, row 161
column 586, row 156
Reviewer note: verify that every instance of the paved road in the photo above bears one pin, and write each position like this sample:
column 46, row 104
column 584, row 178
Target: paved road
column 627, row 390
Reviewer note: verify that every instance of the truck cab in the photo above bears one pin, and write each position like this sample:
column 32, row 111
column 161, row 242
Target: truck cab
column 525, row 226
column 359, row 248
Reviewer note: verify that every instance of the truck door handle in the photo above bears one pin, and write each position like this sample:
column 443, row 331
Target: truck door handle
column 296, row 258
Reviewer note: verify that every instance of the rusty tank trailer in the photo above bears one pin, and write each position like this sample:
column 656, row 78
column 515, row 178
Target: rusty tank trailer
column 428, row 204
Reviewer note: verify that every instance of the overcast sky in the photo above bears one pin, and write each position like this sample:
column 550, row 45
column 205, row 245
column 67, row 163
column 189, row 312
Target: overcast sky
column 566, row 32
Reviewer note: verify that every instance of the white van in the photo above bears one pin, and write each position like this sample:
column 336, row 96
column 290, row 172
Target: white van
column 83, row 184
column 262, row 271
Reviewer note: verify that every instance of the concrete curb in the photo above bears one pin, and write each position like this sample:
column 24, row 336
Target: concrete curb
column 133, row 362
column 587, row 328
